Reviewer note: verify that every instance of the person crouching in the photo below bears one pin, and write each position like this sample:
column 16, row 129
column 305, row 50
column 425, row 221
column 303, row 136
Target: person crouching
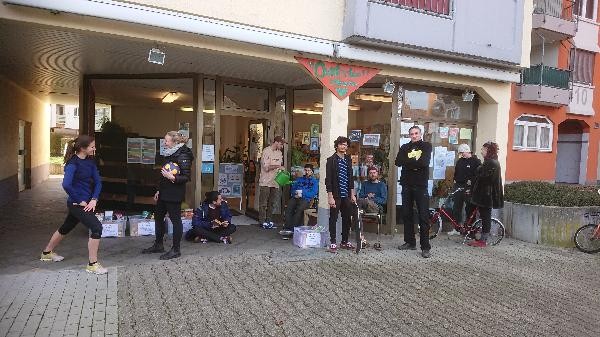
column 211, row 221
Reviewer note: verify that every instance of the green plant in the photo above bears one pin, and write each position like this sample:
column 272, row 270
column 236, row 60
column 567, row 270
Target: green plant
column 380, row 157
column 298, row 156
column 548, row 194
column 441, row 188
column 235, row 155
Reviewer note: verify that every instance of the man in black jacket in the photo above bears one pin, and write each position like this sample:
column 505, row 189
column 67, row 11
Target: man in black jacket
column 414, row 159
column 339, row 182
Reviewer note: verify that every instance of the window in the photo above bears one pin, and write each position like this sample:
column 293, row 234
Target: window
column 532, row 133
column 583, row 66
column 432, row 6
column 60, row 110
column 584, row 8
column 76, row 112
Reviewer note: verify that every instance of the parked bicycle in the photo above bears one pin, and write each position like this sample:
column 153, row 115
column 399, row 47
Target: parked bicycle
column 587, row 238
column 471, row 229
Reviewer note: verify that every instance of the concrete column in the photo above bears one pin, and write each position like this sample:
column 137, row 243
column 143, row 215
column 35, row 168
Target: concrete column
column 334, row 123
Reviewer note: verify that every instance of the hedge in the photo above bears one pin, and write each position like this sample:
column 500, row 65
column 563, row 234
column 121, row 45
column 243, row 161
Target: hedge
column 547, row 194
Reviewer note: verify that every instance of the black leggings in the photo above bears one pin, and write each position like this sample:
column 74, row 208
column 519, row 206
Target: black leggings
column 174, row 210
column 88, row 219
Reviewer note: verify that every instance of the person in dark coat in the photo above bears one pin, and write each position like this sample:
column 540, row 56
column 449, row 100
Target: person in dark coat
column 212, row 221
column 487, row 190
column 339, row 183
column 464, row 175
column 171, row 193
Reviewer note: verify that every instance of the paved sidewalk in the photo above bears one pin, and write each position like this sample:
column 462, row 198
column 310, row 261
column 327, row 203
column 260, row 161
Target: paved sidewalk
column 264, row 286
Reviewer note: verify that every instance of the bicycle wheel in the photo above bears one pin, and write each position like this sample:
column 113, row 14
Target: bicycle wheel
column 496, row 231
column 435, row 223
column 585, row 240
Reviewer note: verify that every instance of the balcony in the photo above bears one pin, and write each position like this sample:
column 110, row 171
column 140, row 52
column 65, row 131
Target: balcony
column 543, row 85
column 437, row 7
column 554, row 20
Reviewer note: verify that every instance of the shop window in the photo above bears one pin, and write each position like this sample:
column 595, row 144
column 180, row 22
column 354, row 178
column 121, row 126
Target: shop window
column 532, row 133
column 436, row 106
column 583, row 66
column 239, row 97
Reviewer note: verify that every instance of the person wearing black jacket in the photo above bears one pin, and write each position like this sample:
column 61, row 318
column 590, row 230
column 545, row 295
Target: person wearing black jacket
column 487, row 190
column 339, row 182
column 171, row 193
column 414, row 159
column 464, row 174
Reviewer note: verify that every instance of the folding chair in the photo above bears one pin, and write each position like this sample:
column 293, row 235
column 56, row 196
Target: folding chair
column 379, row 216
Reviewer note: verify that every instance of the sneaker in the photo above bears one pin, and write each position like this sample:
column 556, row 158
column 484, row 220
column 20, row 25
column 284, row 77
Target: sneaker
column 226, row 240
column 426, row 254
column 347, row 245
column 203, row 240
column 407, row 246
column 453, row 232
column 267, row 225
column 478, row 243
column 286, row 232
column 96, row 268
column 52, row 256
column 332, row 248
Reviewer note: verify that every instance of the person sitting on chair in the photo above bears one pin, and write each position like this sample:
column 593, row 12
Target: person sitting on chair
column 302, row 192
column 211, row 221
column 372, row 196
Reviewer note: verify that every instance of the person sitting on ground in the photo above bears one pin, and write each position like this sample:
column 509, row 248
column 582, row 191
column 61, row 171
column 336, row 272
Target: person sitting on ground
column 372, row 196
column 211, row 221
column 302, row 191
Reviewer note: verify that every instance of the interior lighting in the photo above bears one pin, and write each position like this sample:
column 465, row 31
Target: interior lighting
column 307, row 112
column 374, row 98
column 170, row 97
column 187, row 108
column 350, row 107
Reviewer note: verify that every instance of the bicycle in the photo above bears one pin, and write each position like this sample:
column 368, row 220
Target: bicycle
column 471, row 229
column 587, row 237
column 358, row 227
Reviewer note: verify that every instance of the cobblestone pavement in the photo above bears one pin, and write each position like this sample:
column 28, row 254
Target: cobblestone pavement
column 263, row 286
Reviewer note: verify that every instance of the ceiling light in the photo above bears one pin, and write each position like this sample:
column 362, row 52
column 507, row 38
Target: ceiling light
column 318, row 105
column 353, row 107
column 209, row 111
column 157, row 56
column 170, row 97
column 186, row 108
column 388, row 87
column 374, row 98
column 307, row 112
column 468, row 95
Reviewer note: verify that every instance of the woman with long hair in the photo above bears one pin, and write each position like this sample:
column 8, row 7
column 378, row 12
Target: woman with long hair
column 487, row 190
column 82, row 184
column 171, row 193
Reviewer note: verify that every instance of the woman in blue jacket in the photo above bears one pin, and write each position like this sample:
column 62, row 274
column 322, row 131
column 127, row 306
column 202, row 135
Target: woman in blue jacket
column 82, row 184
column 212, row 221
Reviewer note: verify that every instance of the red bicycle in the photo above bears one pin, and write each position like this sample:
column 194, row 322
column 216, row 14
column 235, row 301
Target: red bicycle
column 471, row 229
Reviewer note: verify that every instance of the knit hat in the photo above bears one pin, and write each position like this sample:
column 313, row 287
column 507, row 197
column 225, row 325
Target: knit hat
column 463, row 148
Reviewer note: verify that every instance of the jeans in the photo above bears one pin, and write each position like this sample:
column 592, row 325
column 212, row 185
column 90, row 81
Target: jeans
column 419, row 196
column 88, row 219
column 174, row 210
column 266, row 201
column 294, row 214
column 214, row 234
column 344, row 206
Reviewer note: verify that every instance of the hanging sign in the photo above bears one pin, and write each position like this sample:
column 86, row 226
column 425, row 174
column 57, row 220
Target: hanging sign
column 340, row 79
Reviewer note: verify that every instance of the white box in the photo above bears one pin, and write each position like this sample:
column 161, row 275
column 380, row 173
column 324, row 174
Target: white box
column 307, row 237
column 187, row 225
column 141, row 227
column 113, row 228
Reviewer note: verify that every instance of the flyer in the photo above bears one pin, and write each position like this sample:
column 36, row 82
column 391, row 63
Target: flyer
column 465, row 133
column 450, row 158
column 453, row 136
column 134, row 150
column 404, row 127
column 371, row 139
column 208, row 152
column 148, row 151
column 444, row 131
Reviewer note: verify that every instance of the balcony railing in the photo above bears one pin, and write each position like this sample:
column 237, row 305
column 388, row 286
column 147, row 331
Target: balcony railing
column 557, row 8
column 441, row 7
column 546, row 76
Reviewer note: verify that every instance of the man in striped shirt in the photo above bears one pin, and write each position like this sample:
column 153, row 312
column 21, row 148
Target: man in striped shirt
column 339, row 182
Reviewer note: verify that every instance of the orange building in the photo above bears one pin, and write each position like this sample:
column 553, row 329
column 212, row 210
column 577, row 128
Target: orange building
column 554, row 130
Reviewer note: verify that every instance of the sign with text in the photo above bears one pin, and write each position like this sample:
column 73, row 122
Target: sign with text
column 340, row 79
column 582, row 100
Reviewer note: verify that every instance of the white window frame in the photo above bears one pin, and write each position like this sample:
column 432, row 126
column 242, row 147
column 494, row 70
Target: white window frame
column 539, row 126
column 584, row 11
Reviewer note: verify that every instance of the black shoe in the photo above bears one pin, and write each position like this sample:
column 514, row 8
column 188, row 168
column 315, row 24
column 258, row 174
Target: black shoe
column 156, row 248
column 171, row 254
column 407, row 246
column 426, row 254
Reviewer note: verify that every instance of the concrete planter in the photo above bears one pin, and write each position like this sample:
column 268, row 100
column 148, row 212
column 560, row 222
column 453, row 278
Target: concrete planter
column 548, row 225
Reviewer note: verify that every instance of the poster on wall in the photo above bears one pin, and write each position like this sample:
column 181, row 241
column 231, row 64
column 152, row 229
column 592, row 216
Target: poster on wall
column 148, row 151
column 208, row 152
column 444, row 131
column 453, row 136
column 184, row 129
column 306, row 138
column 134, row 150
column 405, row 127
column 208, row 168
column 314, row 130
column 371, row 139
column 355, row 135
column 465, row 133
column 230, row 179
column 314, row 144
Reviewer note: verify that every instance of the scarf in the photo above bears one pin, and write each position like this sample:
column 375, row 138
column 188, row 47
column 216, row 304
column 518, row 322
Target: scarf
column 170, row 151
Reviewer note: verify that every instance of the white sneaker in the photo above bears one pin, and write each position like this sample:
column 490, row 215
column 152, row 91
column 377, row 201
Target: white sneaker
column 96, row 268
column 265, row 225
column 453, row 232
column 52, row 256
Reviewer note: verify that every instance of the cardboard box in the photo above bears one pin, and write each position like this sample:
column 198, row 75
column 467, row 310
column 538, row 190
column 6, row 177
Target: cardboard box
column 307, row 237
column 113, row 228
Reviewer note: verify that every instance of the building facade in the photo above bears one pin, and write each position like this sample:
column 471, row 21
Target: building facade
column 554, row 128
column 238, row 77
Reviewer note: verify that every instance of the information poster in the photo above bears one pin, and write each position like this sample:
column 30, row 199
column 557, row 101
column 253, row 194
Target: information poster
column 148, row 151
column 134, row 150
column 465, row 133
column 453, row 136
column 230, row 180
